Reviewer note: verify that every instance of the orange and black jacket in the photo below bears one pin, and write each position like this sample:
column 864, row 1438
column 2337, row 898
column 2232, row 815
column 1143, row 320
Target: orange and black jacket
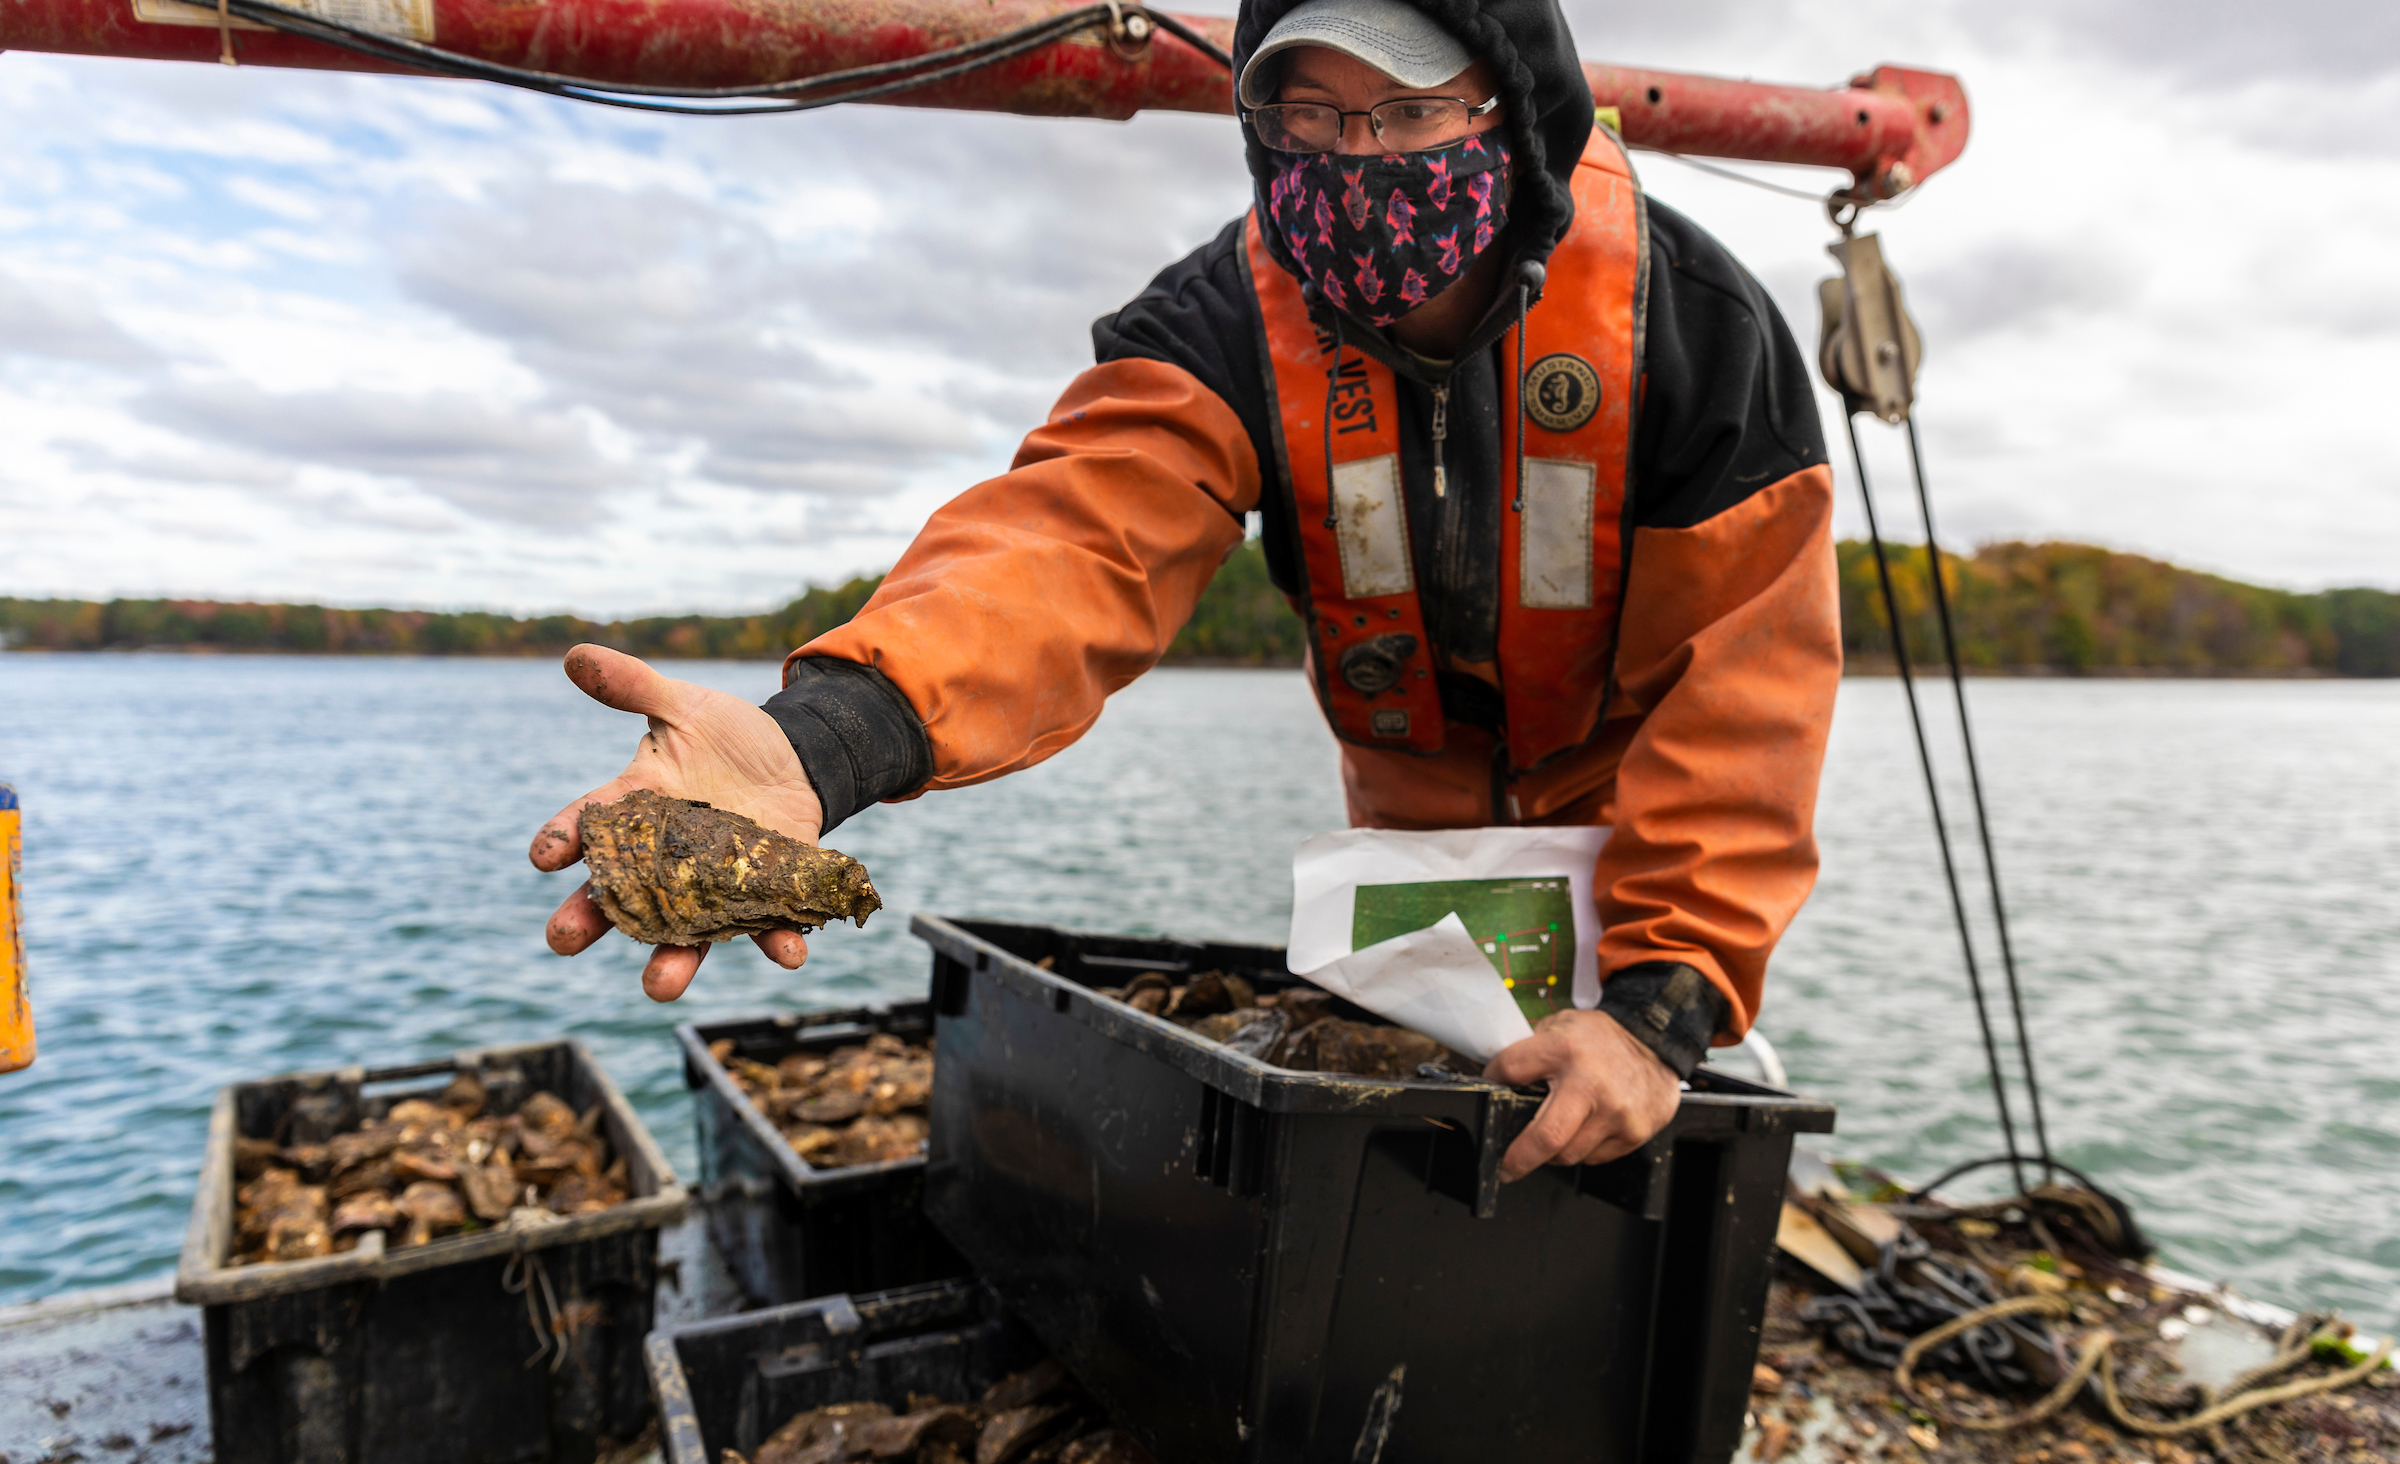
column 1027, row 600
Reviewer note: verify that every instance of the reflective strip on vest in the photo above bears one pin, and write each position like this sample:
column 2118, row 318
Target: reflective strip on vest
column 1562, row 557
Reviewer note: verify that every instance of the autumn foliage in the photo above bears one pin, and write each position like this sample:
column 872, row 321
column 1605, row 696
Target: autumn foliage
column 2062, row 608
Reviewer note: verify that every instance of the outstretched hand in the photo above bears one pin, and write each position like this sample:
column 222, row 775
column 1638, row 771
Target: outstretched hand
column 1608, row 1093
column 705, row 745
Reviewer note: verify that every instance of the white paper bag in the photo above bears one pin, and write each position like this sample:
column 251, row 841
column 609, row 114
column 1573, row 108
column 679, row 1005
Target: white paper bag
column 1436, row 975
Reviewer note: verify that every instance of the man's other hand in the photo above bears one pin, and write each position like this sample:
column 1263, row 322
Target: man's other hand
column 704, row 745
column 1608, row 1093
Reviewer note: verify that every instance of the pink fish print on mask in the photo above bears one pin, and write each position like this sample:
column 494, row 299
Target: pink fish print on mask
column 1382, row 253
column 1479, row 188
column 1448, row 243
column 1370, row 284
column 1354, row 197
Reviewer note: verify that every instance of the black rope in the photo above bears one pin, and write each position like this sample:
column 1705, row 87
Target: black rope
column 1874, row 1324
column 1983, row 822
column 1933, row 795
column 1191, row 38
column 867, row 83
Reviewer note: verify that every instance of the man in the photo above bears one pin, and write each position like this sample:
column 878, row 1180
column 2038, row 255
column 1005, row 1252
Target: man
column 1558, row 522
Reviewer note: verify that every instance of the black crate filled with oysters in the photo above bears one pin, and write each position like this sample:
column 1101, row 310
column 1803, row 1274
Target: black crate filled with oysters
column 931, row 1374
column 450, row 1259
column 1275, row 1231
column 812, row 1132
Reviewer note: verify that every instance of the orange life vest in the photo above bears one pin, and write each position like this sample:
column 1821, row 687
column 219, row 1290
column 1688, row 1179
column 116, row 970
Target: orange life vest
column 1562, row 542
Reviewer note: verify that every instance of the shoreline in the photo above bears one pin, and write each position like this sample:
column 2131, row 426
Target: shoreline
column 1864, row 667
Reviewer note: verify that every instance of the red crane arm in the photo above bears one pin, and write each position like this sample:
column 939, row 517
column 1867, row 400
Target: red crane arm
column 1891, row 128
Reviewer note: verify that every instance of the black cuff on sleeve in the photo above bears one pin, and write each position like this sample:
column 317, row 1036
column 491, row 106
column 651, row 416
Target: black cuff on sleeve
column 1669, row 1008
column 858, row 738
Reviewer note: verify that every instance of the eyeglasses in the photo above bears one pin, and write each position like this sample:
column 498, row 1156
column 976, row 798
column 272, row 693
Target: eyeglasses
column 1406, row 124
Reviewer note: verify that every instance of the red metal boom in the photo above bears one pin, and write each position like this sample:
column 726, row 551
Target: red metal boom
column 1891, row 128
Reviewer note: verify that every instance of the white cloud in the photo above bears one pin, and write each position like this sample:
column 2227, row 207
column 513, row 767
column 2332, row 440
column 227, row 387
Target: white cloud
column 362, row 339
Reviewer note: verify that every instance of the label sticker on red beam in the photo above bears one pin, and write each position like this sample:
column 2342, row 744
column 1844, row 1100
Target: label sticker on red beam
column 410, row 20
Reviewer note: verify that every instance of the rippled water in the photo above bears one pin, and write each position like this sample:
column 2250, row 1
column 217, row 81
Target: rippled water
column 245, row 866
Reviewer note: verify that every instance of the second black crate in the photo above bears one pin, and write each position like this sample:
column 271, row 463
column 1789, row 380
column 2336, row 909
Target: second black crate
column 787, row 1228
column 729, row 1382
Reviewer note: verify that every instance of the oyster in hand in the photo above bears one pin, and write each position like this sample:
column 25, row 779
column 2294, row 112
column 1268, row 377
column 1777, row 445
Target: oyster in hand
column 671, row 872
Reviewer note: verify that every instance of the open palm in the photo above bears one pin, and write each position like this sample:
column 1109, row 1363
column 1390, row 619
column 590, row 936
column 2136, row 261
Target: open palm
column 704, row 745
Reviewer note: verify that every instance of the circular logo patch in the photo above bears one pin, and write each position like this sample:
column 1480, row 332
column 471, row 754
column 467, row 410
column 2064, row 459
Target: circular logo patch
column 1562, row 392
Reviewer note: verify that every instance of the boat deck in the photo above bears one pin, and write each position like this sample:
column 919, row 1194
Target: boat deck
column 118, row 1373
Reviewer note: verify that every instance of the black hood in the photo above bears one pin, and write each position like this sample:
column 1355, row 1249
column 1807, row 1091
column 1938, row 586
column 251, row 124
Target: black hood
column 1541, row 83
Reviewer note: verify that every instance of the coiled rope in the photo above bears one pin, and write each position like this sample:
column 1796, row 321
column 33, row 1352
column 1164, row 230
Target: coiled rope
column 2096, row 1353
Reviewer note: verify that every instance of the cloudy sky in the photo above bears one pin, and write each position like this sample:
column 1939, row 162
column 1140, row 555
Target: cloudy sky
column 279, row 335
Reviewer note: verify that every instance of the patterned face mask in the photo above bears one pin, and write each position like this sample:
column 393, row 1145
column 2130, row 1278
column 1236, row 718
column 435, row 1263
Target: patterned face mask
column 1381, row 234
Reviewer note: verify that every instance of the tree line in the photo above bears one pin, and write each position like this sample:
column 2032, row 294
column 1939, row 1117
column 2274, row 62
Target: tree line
column 2066, row 608
column 2079, row 610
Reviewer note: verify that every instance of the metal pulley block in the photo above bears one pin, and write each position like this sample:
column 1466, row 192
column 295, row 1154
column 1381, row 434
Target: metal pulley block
column 1870, row 350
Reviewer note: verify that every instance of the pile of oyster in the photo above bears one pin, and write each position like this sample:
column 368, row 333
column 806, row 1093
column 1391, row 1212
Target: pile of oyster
column 1294, row 1028
column 855, row 1105
column 1033, row 1417
column 427, row 1168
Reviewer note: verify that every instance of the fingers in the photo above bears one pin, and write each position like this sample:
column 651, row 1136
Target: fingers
column 576, row 923
column 627, row 683
column 1537, row 1057
column 1562, row 1115
column 560, row 842
column 670, row 970
column 1604, row 1136
column 1619, row 1143
column 786, row 948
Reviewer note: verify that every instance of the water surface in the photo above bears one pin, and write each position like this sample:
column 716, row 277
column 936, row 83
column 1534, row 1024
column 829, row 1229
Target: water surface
column 239, row 867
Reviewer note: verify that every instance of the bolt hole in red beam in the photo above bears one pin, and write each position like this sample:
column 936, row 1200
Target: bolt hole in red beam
column 1891, row 128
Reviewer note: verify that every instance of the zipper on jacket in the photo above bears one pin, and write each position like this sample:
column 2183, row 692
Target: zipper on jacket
column 1441, row 430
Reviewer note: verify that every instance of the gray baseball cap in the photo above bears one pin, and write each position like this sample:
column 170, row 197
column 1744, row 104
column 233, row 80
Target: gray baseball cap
column 1393, row 36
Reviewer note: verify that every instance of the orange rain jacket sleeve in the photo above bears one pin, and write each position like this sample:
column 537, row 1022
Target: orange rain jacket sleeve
column 1030, row 598
column 1730, row 657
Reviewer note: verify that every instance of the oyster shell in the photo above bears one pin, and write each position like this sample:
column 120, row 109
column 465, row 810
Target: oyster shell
column 668, row 871
column 423, row 1170
column 1008, row 1436
column 1108, row 1446
column 1037, row 1416
column 863, row 1104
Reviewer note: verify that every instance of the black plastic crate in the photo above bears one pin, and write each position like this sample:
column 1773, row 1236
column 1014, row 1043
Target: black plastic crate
column 1247, row 1263
column 788, row 1229
column 498, row 1346
column 728, row 1383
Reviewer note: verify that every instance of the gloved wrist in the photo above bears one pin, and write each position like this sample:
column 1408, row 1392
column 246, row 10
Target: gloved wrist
column 1669, row 1008
column 856, row 735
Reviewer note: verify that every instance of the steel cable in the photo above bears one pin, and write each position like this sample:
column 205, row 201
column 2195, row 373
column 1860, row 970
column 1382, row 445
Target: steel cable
column 868, row 83
column 1933, row 795
column 1983, row 822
